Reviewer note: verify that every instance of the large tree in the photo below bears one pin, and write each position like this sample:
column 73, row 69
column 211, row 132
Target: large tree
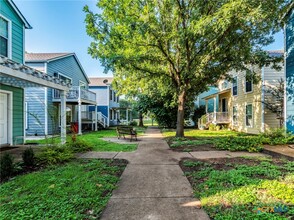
column 188, row 44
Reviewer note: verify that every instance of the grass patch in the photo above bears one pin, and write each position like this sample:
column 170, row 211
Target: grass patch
column 77, row 190
column 94, row 140
column 243, row 188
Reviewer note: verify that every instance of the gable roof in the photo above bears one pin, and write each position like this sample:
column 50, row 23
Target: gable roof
column 275, row 53
column 44, row 57
column 20, row 15
column 100, row 81
column 49, row 57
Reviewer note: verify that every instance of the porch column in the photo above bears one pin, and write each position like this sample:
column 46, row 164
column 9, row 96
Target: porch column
column 95, row 117
column 214, row 109
column 127, row 115
column 63, row 116
column 80, row 117
column 206, row 106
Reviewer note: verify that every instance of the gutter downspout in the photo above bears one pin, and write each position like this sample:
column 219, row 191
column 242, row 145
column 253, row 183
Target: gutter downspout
column 262, row 100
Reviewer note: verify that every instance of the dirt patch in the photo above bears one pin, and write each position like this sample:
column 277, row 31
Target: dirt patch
column 2, row 149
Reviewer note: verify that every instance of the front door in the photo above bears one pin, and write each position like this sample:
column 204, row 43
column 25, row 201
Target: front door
column 3, row 118
column 224, row 105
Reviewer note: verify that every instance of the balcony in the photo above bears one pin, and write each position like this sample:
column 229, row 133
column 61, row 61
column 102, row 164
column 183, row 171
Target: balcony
column 76, row 94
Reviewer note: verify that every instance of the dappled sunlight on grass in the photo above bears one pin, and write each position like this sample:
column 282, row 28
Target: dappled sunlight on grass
column 94, row 140
column 242, row 188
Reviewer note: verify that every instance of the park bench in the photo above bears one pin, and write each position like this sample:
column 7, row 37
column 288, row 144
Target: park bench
column 126, row 130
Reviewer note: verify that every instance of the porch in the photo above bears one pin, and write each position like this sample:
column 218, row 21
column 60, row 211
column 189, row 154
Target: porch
column 77, row 100
column 220, row 113
column 16, row 75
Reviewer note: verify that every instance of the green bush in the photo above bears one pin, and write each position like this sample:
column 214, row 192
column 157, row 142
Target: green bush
column 6, row 168
column 133, row 123
column 277, row 136
column 250, row 144
column 213, row 127
column 55, row 154
column 28, row 157
column 79, row 146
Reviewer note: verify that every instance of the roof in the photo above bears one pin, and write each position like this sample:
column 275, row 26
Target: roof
column 100, row 81
column 276, row 53
column 48, row 57
column 44, row 57
column 24, row 20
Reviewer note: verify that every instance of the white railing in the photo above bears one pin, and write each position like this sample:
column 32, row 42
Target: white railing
column 215, row 118
column 87, row 115
column 102, row 119
column 76, row 93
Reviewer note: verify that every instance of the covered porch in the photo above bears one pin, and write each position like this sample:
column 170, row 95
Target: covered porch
column 77, row 101
column 19, row 76
column 220, row 113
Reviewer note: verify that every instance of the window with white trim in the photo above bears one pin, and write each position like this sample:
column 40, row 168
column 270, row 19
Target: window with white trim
column 249, row 115
column 235, row 115
column 248, row 83
column 4, row 37
column 235, row 86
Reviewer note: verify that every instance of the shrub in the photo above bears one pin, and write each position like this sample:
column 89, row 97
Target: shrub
column 55, row 154
column 277, row 136
column 213, row 127
column 79, row 146
column 28, row 157
column 6, row 168
column 133, row 123
column 250, row 144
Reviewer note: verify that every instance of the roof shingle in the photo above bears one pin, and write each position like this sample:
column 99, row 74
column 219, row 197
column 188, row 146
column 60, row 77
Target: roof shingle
column 100, row 81
column 43, row 56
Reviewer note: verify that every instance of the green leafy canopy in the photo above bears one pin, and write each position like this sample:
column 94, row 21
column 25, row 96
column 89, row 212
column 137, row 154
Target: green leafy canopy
column 183, row 45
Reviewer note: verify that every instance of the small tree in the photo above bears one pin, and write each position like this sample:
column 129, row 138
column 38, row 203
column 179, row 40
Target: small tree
column 274, row 99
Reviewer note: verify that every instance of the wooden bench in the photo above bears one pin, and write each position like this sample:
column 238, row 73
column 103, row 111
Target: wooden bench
column 126, row 130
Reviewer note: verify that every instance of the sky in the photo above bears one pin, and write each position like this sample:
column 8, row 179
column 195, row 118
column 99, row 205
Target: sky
column 58, row 26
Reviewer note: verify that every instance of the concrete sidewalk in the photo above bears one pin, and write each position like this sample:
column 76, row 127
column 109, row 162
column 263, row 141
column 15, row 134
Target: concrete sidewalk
column 153, row 185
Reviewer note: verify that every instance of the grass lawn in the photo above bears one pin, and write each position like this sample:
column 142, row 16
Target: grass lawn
column 77, row 190
column 243, row 188
column 94, row 139
column 198, row 140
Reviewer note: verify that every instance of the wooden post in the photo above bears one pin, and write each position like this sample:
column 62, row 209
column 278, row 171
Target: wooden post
column 80, row 112
column 95, row 117
column 63, row 117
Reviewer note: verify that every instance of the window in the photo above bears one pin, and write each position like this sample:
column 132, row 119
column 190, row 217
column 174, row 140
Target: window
column 111, row 114
column 235, row 86
column 110, row 94
column 249, row 115
column 82, row 85
column 4, row 37
column 114, row 96
column 64, row 78
column 117, row 98
column 248, row 83
column 235, row 115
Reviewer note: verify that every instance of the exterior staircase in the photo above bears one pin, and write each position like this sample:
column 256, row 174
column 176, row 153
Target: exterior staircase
column 213, row 118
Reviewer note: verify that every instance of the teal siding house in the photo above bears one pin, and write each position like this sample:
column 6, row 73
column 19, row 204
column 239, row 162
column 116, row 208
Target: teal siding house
column 289, row 58
column 208, row 104
column 43, row 104
column 15, row 76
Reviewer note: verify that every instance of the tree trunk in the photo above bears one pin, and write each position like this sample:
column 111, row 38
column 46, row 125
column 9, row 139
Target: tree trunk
column 181, row 114
column 141, row 120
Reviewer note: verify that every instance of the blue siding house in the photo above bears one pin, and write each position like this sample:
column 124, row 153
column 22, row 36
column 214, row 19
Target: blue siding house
column 289, row 41
column 43, row 104
column 14, row 76
column 107, row 100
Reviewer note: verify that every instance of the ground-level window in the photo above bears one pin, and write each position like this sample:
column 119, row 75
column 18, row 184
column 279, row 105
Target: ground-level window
column 249, row 115
column 235, row 115
column 110, row 114
column 4, row 37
